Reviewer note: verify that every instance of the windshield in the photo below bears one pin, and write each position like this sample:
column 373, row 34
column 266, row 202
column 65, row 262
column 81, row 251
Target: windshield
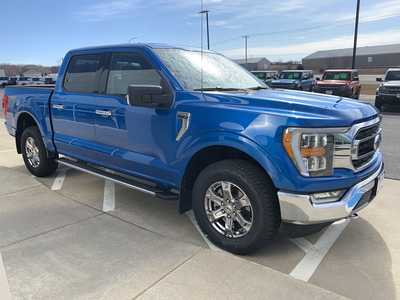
column 290, row 75
column 393, row 76
column 337, row 76
column 218, row 71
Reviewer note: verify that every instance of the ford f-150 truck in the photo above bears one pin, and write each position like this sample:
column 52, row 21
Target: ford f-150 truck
column 344, row 83
column 388, row 92
column 196, row 127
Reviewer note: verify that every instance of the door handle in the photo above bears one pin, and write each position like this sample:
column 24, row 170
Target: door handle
column 58, row 106
column 105, row 113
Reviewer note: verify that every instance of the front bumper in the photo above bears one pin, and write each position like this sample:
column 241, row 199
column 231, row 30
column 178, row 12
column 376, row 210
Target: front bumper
column 392, row 99
column 299, row 208
column 336, row 91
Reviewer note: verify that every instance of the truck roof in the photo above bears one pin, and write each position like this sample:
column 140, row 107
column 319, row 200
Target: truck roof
column 300, row 71
column 341, row 70
column 138, row 45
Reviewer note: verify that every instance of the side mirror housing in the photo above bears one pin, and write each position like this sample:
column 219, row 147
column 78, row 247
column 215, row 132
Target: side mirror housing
column 318, row 79
column 379, row 79
column 154, row 96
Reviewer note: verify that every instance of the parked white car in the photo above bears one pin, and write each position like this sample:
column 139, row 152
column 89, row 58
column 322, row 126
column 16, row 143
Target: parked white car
column 3, row 81
column 22, row 80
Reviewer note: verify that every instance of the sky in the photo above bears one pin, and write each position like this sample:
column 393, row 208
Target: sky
column 42, row 31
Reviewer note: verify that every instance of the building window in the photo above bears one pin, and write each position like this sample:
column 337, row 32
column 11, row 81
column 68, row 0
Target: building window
column 370, row 59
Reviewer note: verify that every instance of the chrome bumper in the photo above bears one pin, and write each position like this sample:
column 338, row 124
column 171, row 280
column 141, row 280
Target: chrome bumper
column 299, row 208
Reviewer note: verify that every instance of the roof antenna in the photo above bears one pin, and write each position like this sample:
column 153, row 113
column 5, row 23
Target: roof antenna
column 202, row 46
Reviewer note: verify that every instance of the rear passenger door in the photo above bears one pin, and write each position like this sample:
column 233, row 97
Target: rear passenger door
column 73, row 107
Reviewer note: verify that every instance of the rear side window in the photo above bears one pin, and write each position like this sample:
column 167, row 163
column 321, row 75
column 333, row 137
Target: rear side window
column 82, row 73
column 130, row 68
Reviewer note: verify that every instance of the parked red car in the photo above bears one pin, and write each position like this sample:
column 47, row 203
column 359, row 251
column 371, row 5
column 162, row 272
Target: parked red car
column 344, row 83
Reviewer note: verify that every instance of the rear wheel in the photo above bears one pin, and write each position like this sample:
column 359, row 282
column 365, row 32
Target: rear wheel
column 236, row 206
column 35, row 154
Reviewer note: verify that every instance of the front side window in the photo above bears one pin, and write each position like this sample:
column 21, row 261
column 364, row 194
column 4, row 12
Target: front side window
column 127, row 69
column 82, row 73
column 207, row 71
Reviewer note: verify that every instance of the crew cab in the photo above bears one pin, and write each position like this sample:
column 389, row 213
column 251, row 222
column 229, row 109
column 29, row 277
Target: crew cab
column 344, row 83
column 197, row 128
column 302, row 80
column 388, row 92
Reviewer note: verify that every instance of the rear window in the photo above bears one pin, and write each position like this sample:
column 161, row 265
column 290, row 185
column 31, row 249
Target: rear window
column 337, row 76
column 82, row 73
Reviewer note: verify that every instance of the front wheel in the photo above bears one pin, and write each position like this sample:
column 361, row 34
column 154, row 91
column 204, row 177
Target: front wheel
column 35, row 154
column 236, row 206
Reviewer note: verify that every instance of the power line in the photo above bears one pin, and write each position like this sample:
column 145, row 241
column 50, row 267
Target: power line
column 277, row 32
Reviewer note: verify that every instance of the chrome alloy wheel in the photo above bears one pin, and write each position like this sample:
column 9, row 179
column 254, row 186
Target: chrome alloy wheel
column 32, row 152
column 228, row 209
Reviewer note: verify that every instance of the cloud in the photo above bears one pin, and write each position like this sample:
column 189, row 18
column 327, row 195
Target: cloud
column 107, row 10
column 299, row 50
column 377, row 12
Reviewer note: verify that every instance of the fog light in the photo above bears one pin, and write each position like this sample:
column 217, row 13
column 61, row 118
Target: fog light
column 327, row 197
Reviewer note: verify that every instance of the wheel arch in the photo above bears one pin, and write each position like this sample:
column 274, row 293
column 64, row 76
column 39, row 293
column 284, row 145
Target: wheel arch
column 24, row 120
column 209, row 154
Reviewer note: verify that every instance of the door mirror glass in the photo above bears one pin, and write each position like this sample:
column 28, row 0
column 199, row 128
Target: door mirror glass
column 379, row 79
column 149, row 96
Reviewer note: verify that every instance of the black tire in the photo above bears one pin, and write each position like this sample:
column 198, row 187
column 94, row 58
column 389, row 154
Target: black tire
column 296, row 231
column 46, row 165
column 261, row 194
column 378, row 105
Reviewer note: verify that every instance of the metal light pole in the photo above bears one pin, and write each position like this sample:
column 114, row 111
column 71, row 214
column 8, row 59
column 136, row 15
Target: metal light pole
column 353, row 65
column 245, row 48
column 208, row 28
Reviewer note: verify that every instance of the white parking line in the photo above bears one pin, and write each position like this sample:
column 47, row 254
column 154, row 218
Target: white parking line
column 4, row 287
column 59, row 180
column 316, row 253
column 109, row 196
column 9, row 150
column 208, row 242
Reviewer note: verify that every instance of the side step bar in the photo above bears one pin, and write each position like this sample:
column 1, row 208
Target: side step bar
column 131, row 183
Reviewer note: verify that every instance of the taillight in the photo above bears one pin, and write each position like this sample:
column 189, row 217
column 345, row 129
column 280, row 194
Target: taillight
column 5, row 105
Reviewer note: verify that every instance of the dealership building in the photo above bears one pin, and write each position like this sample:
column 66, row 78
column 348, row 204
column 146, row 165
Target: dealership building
column 369, row 60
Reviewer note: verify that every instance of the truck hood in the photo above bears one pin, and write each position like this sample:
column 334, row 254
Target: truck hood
column 285, row 81
column 394, row 83
column 300, row 108
column 332, row 82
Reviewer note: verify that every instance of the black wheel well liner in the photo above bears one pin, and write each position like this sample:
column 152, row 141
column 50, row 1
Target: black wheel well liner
column 25, row 120
column 201, row 160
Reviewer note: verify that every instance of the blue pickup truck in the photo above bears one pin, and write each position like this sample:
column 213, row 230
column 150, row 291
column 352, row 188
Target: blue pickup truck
column 197, row 128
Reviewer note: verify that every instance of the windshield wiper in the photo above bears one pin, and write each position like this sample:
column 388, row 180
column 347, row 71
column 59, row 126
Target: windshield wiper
column 258, row 88
column 219, row 89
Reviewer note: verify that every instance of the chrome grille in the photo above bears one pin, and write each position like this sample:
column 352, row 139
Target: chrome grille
column 393, row 90
column 366, row 143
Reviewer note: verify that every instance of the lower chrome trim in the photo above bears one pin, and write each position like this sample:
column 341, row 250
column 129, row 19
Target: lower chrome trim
column 299, row 209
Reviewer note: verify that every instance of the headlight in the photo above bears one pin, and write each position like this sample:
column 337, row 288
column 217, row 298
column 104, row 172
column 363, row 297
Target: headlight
column 311, row 151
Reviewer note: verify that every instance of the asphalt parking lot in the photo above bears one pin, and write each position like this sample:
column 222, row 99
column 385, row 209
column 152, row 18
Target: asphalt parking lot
column 75, row 236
